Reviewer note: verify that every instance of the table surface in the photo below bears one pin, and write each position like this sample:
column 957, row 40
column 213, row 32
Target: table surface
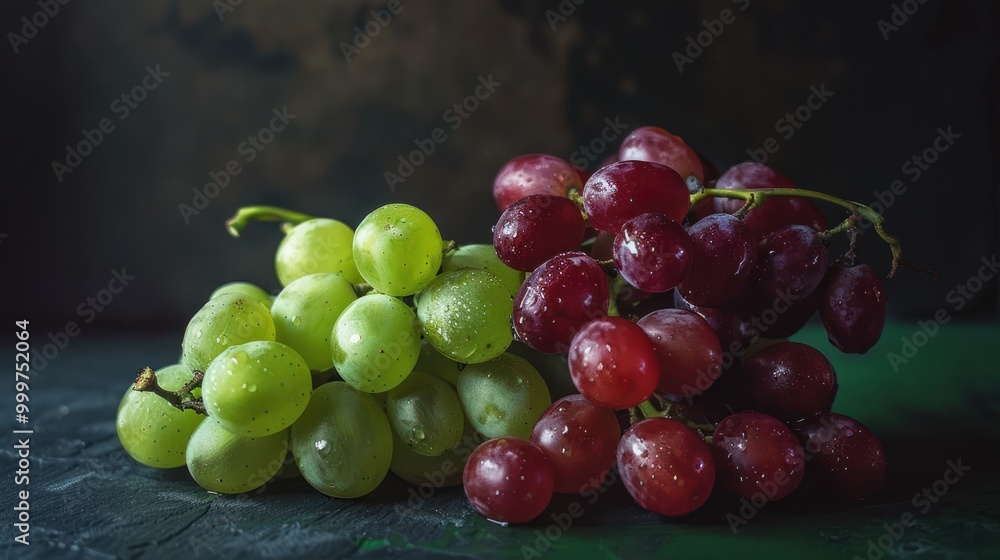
column 90, row 500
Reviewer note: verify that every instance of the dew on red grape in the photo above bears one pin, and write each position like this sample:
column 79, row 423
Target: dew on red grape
column 650, row 143
column 790, row 381
column 652, row 252
column 537, row 228
column 724, row 252
column 534, row 174
column 846, row 461
column 666, row 467
column 757, row 455
column 613, row 363
column 580, row 439
column 852, row 307
column 687, row 350
column 508, row 479
column 621, row 191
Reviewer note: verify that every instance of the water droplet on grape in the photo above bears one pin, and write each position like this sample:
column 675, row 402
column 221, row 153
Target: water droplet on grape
column 296, row 320
column 222, row 339
column 355, row 338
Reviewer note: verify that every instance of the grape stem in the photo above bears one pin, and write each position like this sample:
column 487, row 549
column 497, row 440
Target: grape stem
column 658, row 407
column 182, row 399
column 248, row 214
column 858, row 211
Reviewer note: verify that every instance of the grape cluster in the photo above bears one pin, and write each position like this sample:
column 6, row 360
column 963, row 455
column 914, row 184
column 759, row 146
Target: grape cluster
column 666, row 292
column 672, row 292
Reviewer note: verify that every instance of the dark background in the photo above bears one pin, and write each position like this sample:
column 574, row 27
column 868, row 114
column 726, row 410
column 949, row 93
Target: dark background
column 119, row 207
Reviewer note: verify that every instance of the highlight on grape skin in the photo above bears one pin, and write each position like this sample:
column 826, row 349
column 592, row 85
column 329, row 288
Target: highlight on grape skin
column 622, row 291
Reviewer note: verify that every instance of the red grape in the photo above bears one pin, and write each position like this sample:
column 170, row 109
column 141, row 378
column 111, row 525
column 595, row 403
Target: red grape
column 652, row 252
column 667, row 468
column 580, row 439
column 613, row 363
column 508, row 479
column 557, row 299
column 650, row 143
column 724, row 252
column 687, row 350
column 533, row 174
column 621, row 191
column 791, row 262
column 537, row 228
column 846, row 461
column 790, row 381
column 852, row 307
column 757, row 454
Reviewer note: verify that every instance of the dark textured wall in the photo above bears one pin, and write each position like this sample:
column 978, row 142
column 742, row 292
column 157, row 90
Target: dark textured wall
column 561, row 79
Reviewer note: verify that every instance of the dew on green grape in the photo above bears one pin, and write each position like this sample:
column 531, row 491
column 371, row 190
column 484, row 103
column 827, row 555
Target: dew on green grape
column 503, row 397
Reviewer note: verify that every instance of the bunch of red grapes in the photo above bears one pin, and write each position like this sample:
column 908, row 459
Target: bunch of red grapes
column 677, row 316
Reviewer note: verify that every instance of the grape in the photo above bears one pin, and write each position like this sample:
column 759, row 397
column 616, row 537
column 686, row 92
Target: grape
column 667, row 468
column 316, row 245
column 621, row 191
column 398, row 249
column 246, row 289
column 503, row 397
column 508, row 479
column 734, row 329
column 687, row 351
column 852, row 307
column 723, row 254
column 790, row 381
column 226, row 320
column 375, row 343
column 256, row 389
column 788, row 318
column 425, row 414
column 304, row 314
column 442, row 471
column 846, row 461
column 465, row 314
column 537, row 228
column 557, row 299
column 434, row 363
column 484, row 257
column 613, row 363
column 533, row 174
column 581, row 441
column 777, row 211
column 150, row 429
column 342, row 443
column 221, row 461
column 757, row 455
column 791, row 263
column 652, row 252
column 650, row 143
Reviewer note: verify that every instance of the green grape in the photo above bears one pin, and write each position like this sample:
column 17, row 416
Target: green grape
column 316, row 245
column 304, row 314
column 246, row 289
column 503, row 397
column 433, row 362
column 226, row 320
column 221, row 461
column 375, row 343
column 442, row 471
column 342, row 443
column 553, row 368
column 484, row 257
column 150, row 429
column 257, row 388
column 398, row 249
column 425, row 413
column 465, row 314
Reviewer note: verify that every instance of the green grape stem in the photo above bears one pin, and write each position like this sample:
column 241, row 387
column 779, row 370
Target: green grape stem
column 248, row 214
column 658, row 407
column 858, row 211
column 181, row 399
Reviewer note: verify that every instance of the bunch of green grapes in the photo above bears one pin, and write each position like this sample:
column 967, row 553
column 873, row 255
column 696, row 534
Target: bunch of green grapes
column 385, row 349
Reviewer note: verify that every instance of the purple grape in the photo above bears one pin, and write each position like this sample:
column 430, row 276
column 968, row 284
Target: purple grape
column 537, row 228
column 757, row 454
column 846, row 462
column 724, row 252
column 790, row 381
column 852, row 307
column 652, row 252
